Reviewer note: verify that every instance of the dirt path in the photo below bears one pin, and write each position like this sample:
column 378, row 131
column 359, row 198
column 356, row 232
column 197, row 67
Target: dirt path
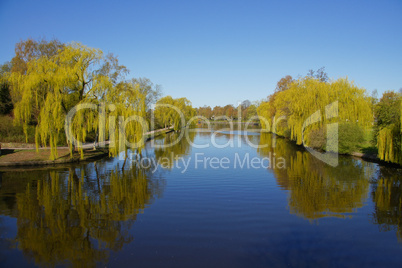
column 87, row 145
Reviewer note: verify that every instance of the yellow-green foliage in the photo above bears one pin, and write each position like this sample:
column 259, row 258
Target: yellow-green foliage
column 77, row 74
column 307, row 100
column 388, row 126
column 265, row 116
column 388, row 145
column 174, row 112
column 126, row 121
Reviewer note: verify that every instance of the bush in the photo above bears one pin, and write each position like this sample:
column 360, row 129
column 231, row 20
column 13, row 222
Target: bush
column 317, row 138
column 350, row 138
column 11, row 133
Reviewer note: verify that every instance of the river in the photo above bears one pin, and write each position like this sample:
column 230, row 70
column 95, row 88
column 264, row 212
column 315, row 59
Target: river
column 212, row 199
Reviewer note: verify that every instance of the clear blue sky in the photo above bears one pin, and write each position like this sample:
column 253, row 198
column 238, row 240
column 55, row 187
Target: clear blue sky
column 220, row 52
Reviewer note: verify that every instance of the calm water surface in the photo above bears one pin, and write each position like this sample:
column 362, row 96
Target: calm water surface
column 228, row 204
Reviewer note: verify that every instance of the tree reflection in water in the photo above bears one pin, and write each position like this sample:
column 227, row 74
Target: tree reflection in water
column 178, row 147
column 387, row 196
column 77, row 216
column 318, row 190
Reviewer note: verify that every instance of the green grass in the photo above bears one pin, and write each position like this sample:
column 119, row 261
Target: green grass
column 367, row 146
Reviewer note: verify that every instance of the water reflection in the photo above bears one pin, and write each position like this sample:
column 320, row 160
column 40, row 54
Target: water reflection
column 169, row 155
column 387, row 196
column 318, row 190
column 77, row 215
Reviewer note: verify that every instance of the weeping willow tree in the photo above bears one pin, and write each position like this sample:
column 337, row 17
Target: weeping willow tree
column 126, row 121
column 388, row 127
column 263, row 111
column 174, row 112
column 307, row 96
column 309, row 104
column 76, row 218
column 78, row 75
column 189, row 112
column 164, row 113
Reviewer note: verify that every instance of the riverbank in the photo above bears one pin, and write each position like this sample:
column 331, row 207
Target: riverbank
column 367, row 156
column 28, row 157
column 24, row 154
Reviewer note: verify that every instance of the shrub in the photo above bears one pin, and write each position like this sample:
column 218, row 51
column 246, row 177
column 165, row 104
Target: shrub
column 317, row 138
column 11, row 133
column 350, row 137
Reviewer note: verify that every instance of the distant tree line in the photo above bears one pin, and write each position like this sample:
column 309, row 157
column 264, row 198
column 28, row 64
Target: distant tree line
column 244, row 111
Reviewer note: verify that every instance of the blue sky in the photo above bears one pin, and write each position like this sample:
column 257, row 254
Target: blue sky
column 222, row 52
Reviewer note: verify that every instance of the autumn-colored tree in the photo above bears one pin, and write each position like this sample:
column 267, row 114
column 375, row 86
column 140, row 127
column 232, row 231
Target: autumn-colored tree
column 284, row 83
column 205, row 111
column 30, row 49
column 218, row 111
column 230, row 111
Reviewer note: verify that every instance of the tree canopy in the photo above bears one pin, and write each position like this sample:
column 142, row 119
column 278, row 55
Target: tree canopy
column 55, row 82
column 289, row 112
column 388, row 127
column 174, row 112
